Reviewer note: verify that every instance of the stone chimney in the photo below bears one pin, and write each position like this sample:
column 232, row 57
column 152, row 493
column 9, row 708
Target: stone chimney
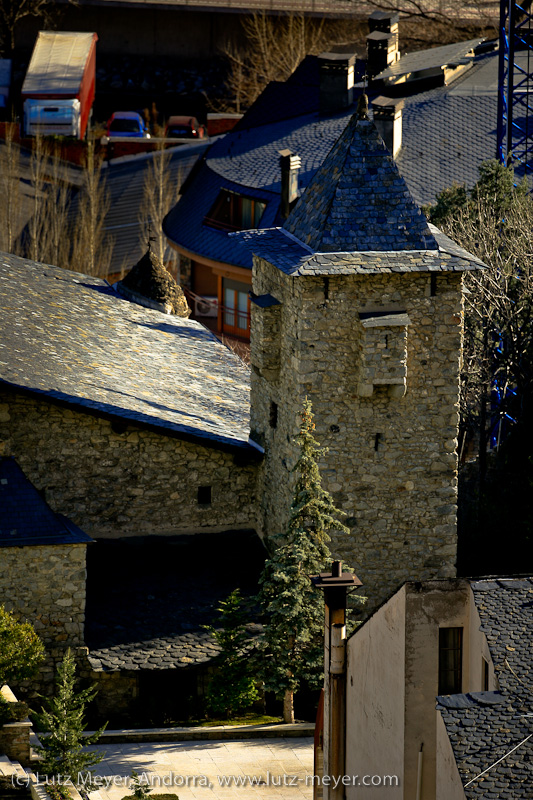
column 382, row 42
column 149, row 284
column 388, row 121
column 290, row 166
column 336, row 82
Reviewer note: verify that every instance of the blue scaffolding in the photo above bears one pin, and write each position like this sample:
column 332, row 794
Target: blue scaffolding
column 515, row 86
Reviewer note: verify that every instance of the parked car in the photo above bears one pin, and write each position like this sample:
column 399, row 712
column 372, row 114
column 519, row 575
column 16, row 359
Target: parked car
column 184, row 128
column 127, row 123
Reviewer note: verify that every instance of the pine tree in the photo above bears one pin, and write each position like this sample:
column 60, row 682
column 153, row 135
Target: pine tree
column 63, row 719
column 232, row 689
column 293, row 639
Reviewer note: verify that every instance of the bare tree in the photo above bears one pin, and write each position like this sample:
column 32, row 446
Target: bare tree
column 10, row 193
column 35, row 232
column 12, row 12
column 495, row 222
column 55, row 242
column 274, row 48
column 160, row 193
column 91, row 249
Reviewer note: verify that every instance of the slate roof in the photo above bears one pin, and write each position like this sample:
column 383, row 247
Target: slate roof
column 124, row 181
column 447, row 133
column 449, row 54
column 292, row 257
column 72, row 339
column 492, row 732
column 25, row 518
column 358, row 201
column 172, row 601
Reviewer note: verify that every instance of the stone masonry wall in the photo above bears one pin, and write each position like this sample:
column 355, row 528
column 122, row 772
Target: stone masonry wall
column 122, row 480
column 392, row 464
column 45, row 584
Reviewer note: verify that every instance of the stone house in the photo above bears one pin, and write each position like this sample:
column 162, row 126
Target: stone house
column 357, row 305
column 435, row 109
column 134, row 423
column 437, row 695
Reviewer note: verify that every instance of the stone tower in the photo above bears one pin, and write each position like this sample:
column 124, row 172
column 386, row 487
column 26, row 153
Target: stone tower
column 357, row 304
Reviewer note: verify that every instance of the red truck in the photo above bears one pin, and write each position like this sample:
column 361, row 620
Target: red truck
column 58, row 90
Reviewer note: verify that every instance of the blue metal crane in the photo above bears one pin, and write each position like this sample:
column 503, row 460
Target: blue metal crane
column 515, row 86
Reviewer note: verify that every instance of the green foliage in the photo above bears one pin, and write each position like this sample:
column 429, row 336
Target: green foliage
column 140, row 788
column 63, row 719
column 12, row 712
column 232, row 689
column 496, row 185
column 57, row 792
column 449, row 202
column 21, row 650
column 294, row 609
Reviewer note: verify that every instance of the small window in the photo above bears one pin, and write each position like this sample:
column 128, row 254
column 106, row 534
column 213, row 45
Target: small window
column 273, row 415
column 450, row 660
column 234, row 212
column 204, row 495
column 485, row 674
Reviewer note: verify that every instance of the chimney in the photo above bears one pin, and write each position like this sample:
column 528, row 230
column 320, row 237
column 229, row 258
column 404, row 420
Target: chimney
column 382, row 42
column 290, row 164
column 388, row 121
column 336, row 82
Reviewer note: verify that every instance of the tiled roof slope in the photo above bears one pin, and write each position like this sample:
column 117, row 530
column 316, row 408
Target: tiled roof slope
column 25, row 518
column 420, row 60
column 71, row 338
column 481, row 733
column 505, row 607
column 358, row 200
column 172, row 603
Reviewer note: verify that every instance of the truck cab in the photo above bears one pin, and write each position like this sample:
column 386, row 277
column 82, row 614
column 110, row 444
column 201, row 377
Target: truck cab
column 52, row 117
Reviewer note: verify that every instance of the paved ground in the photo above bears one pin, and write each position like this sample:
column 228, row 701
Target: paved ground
column 265, row 769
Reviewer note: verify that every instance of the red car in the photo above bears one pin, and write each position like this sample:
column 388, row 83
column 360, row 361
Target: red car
column 184, row 128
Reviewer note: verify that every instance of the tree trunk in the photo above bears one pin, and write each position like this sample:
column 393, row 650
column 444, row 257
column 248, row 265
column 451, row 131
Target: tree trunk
column 288, row 706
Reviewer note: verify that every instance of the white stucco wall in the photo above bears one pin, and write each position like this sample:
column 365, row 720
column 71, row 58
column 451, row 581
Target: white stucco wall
column 375, row 700
column 429, row 606
column 449, row 784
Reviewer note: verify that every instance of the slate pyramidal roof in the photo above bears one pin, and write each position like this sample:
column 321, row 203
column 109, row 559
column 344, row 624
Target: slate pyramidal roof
column 357, row 216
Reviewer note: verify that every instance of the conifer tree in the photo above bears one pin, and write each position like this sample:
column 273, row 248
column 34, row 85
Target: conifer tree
column 232, row 689
column 63, row 719
column 293, row 639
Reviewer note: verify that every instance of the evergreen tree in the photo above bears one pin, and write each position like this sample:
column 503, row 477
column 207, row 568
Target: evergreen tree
column 294, row 609
column 63, row 719
column 232, row 689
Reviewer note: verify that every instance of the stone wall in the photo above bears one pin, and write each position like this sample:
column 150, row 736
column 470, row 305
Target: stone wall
column 45, row 584
column 392, row 464
column 117, row 479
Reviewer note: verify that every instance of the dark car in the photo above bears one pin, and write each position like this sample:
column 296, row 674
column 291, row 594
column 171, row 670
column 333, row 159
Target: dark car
column 127, row 123
column 184, row 128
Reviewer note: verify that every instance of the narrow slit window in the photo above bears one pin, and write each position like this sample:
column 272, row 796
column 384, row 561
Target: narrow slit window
column 485, row 674
column 450, row 660
column 273, row 415
column 204, row 495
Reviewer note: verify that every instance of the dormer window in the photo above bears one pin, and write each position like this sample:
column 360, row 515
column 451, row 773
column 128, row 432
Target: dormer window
column 235, row 212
